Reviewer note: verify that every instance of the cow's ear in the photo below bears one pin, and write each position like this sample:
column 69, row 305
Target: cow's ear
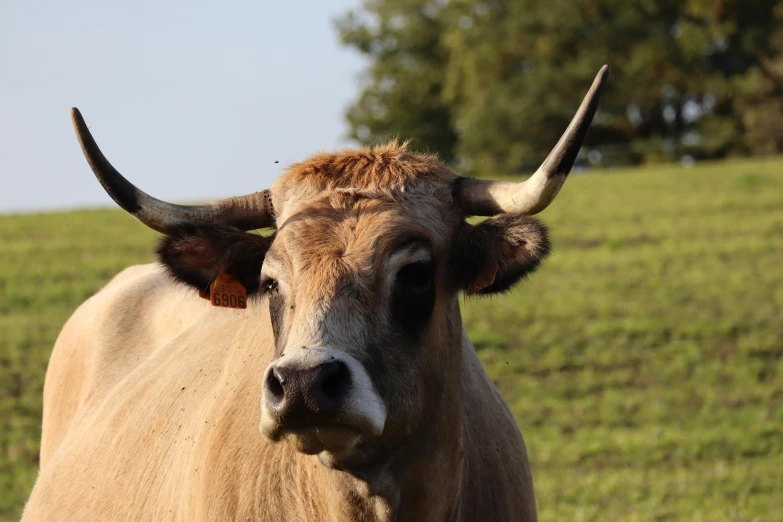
column 498, row 252
column 196, row 256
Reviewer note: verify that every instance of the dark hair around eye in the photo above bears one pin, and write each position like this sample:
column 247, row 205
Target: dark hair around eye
column 268, row 285
column 416, row 276
column 413, row 296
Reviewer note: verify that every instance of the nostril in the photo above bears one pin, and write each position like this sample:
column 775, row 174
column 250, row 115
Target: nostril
column 274, row 384
column 335, row 381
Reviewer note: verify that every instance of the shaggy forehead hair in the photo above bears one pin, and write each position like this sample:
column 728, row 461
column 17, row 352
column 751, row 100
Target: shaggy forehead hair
column 387, row 166
column 384, row 172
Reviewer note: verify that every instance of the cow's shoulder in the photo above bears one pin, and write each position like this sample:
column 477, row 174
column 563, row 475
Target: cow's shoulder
column 104, row 338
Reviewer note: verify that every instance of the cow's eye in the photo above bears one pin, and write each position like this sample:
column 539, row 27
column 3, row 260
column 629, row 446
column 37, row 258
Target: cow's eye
column 269, row 286
column 414, row 295
column 417, row 276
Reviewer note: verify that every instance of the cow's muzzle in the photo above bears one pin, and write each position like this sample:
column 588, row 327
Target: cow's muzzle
column 320, row 399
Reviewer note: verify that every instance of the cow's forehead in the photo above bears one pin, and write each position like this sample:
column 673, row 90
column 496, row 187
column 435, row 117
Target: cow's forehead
column 344, row 233
column 387, row 171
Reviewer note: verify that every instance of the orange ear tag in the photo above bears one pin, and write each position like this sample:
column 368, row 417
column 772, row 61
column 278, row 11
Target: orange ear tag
column 227, row 292
column 483, row 280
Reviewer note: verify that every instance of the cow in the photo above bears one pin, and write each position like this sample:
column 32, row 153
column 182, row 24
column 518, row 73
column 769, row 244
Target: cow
column 336, row 382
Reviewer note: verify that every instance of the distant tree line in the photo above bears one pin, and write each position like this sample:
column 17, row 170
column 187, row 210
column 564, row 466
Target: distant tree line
column 491, row 84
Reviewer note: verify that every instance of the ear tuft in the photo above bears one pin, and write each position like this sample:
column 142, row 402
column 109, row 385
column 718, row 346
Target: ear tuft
column 498, row 253
column 196, row 256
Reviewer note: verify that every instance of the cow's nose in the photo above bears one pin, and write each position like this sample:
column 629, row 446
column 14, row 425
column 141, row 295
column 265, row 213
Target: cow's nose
column 307, row 396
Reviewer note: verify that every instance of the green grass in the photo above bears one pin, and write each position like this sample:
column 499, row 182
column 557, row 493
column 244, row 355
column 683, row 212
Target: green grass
column 644, row 362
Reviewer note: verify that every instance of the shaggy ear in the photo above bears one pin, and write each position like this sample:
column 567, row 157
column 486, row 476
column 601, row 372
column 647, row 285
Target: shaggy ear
column 196, row 256
column 498, row 252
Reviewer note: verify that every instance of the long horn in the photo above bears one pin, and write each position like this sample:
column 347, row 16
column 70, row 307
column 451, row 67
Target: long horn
column 488, row 198
column 246, row 212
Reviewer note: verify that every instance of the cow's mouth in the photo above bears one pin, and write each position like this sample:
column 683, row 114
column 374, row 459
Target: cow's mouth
column 314, row 439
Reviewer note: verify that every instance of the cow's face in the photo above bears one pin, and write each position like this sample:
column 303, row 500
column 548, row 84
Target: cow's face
column 362, row 309
column 361, row 281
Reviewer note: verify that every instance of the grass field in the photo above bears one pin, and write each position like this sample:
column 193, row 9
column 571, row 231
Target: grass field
column 644, row 362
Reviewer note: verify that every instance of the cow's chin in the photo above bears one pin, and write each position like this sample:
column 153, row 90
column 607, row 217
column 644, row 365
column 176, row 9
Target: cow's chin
column 338, row 447
column 335, row 440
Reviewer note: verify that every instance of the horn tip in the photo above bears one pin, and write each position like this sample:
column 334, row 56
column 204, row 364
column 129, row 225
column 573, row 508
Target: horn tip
column 76, row 118
column 603, row 74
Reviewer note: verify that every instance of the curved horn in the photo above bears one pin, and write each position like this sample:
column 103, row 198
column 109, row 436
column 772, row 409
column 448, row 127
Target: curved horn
column 488, row 198
column 246, row 212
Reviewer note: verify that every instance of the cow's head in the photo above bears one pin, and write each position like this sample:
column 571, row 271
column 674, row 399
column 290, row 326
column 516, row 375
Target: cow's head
column 361, row 276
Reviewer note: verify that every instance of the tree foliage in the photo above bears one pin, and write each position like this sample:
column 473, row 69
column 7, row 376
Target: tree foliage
column 493, row 83
column 402, row 94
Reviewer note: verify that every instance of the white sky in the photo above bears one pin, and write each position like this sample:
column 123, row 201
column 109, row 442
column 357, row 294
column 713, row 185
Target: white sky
column 190, row 100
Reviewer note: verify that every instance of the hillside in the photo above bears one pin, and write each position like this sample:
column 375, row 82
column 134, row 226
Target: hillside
column 644, row 361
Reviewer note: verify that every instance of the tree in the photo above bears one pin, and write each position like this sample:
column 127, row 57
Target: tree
column 689, row 77
column 402, row 90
